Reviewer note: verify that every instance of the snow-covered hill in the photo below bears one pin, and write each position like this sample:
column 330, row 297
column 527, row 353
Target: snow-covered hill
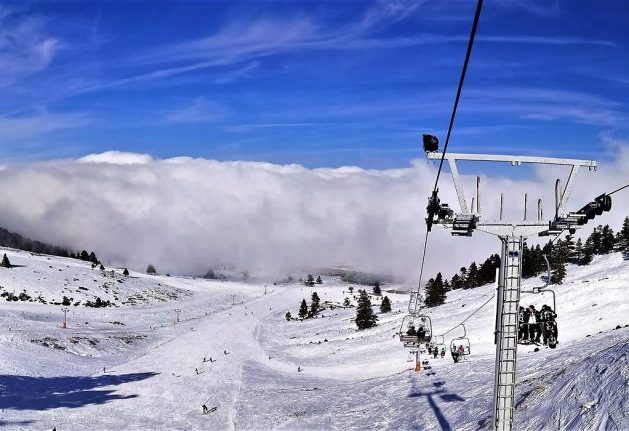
column 155, row 376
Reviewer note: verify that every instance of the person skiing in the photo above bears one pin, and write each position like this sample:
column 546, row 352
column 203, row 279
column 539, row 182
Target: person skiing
column 196, row 370
column 523, row 320
column 225, row 352
column 549, row 324
column 429, row 348
column 435, row 352
column 205, row 410
column 299, row 369
column 443, row 352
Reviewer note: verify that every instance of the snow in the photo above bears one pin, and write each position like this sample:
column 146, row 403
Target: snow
column 53, row 377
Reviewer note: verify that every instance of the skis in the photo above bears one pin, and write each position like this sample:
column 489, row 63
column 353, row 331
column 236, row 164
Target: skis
column 212, row 410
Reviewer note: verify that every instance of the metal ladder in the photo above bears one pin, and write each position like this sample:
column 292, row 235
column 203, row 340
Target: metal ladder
column 507, row 332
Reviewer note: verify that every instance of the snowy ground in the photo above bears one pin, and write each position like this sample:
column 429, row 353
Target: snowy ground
column 50, row 376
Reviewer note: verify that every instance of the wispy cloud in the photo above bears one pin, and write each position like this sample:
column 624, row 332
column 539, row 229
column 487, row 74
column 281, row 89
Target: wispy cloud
column 25, row 48
column 200, row 110
column 41, row 123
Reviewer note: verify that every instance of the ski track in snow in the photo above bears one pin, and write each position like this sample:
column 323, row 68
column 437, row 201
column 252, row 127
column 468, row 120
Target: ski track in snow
column 350, row 379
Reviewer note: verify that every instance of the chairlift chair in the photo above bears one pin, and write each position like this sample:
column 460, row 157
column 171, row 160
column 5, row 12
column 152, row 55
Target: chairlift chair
column 415, row 322
column 543, row 289
column 440, row 342
column 461, row 341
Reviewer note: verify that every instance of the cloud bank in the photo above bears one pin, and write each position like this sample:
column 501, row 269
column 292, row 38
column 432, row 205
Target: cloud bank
column 188, row 215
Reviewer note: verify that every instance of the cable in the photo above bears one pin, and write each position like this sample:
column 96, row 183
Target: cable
column 617, row 190
column 479, row 6
column 468, row 317
column 468, row 53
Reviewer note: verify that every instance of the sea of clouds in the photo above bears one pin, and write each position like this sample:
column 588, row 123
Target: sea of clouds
column 188, row 215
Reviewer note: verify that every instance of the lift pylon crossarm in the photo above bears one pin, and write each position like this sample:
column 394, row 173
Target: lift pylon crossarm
column 514, row 160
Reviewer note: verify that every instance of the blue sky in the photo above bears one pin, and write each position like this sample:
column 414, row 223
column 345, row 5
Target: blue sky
column 315, row 83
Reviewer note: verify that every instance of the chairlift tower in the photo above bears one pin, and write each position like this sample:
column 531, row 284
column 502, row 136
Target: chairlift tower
column 512, row 234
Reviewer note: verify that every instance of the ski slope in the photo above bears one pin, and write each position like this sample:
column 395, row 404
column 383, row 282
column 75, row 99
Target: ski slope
column 53, row 377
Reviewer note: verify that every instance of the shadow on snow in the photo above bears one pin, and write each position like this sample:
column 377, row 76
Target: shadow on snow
column 44, row 393
column 439, row 391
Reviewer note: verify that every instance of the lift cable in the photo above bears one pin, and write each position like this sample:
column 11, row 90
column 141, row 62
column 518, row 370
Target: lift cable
column 479, row 6
column 468, row 53
column 469, row 316
column 617, row 190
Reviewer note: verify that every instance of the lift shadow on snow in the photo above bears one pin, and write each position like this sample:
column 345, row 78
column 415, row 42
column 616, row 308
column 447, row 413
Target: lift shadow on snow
column 442, row 393
column 45, row 393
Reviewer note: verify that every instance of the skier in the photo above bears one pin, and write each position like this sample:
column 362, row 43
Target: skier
column 429, row 348
column 435, row 352
column 549, row 325
column 205, row 410
column 534, row 327
column 299, row 369
column 411, row 331
column 461, row 350
column 196, row 370
column 421, row 333
column 443, row 352
column 225, row 352
column 455, row 354
column 523, row 320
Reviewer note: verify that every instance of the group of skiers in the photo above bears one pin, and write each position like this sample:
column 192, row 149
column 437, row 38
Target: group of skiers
column 535, row 324
column 434, row 351
column 420, row 332
column 457, row 352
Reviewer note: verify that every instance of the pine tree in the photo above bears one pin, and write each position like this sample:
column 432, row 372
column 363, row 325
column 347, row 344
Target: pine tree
column 588, row 252
column 446, row 286
column 288, row 316
column 624, row 235
column 365, row 317
column 309, row 280
column 607, row 240
column 6, row 263
column 577, row 256
column 455, row 283
column 151, row 269
column 472, row 276
column 346, row 302
column 376, row 289
column 314, row 305
column 85, row 256
column 303, row 309
column 125, row 272
column 570, row 247
column 597, row 238
column 385, row 306
column 558, row 262
column 435, row 292
column 93, row 258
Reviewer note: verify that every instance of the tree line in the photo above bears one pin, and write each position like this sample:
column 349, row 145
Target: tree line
column 601, row 241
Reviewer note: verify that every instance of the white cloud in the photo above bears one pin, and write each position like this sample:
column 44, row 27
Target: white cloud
column 186, row 215
column 41, row 123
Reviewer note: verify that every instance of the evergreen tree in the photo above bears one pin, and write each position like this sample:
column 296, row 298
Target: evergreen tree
column 558, row 262
column 351, row 289
column 365, row 317
column 125, row 272
column 376, row 289
column 6, row 263
column 288, row 316
column 588, row 252
column 151, row 269
column 303, row 309
column 435, row 292
column 607, row 240
column 346, row 302
column 472, row 276
column 596, row 238
column 85, row 256
column 455, row 283
column 314, row 305
column 319, row 281
column 577, row 256
column 570, row 247
column 309, row 280
column 93, row 258
column 385, row 306
column 624, row 235
column 446, row 286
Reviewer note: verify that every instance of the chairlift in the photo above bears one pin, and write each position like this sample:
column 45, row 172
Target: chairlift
column 457, row 342
column 440, row 343
column 544, row 289
column 412, row 329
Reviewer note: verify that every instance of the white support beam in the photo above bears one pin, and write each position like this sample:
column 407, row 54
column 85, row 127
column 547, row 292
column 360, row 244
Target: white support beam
column 515, row 160
column 458, row 186
column 567, row 190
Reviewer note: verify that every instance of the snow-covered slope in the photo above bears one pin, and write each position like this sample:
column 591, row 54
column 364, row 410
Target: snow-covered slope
column 156, row 376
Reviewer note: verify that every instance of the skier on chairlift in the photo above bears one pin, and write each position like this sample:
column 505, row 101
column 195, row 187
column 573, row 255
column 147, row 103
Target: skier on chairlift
column 421, row 333
column 534, row 328
column 461, row 350
column 443, row 352
column 411, row 331
column 548, row 324
column 429, row 348
column 455, row 354
column 435, row 352
column 523, row 323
